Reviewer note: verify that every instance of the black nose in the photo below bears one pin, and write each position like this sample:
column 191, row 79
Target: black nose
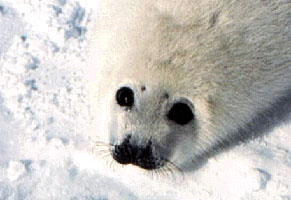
column 126, row 153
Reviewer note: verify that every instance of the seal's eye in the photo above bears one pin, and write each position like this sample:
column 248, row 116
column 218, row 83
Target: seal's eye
column 180, row 113
column 125, row 97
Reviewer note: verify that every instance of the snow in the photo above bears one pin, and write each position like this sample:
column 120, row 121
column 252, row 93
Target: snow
column 46, row 149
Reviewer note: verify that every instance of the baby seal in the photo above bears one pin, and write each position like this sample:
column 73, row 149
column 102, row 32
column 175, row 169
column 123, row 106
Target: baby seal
column 178, row 78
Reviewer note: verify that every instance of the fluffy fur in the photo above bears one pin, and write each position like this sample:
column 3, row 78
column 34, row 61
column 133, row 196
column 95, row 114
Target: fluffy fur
column 231, row 59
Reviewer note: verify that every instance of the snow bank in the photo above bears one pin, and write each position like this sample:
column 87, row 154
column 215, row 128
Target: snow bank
column 45, row 149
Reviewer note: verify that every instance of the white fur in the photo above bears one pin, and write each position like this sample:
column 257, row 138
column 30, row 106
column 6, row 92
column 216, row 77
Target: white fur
column 231, row 58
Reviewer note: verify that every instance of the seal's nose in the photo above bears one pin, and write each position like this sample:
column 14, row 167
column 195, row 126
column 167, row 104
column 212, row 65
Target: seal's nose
column 127, row 153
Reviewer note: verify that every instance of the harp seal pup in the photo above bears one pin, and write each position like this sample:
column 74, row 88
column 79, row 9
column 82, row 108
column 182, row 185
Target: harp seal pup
column 176, row 79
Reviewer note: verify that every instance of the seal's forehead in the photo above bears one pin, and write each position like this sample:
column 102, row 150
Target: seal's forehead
column 162, row 82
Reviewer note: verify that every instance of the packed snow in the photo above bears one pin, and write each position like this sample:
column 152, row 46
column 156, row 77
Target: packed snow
column 47, row 150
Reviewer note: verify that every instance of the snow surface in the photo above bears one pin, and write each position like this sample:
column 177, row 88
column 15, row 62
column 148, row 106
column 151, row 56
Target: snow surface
column 45, row 151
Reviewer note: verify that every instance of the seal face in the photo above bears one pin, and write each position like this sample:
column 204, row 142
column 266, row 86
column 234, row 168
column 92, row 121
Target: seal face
column 178, row 80
column 145, row 122
column 146, row 154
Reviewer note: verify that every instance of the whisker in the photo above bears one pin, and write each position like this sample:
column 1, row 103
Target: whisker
column 156, row 173
column 168, row 171
column 164, row 172
column 171, row 172
column 171, row 167
column 176, row 167
column 101, row 150
column 103, row 143
column 105, row 152
column 105, row 155
column 153, row 173
column 145, row 172
column 111, row 165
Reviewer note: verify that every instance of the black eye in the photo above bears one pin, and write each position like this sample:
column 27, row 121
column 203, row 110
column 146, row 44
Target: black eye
column 180, row 113
column 125, row 97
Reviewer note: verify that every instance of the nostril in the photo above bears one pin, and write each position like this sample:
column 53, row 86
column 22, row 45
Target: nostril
column 121, row 154
column 145, row 153
column 124, row 152
column 126, row 140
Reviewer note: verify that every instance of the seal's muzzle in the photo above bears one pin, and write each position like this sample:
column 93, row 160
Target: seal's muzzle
column 128, row 153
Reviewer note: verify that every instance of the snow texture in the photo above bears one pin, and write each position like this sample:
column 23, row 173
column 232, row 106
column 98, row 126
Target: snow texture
column 45, row 151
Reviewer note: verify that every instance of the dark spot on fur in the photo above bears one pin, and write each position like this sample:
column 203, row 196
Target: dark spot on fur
column 143, row 88
column 211, row 102
column 166, row 96
column 214, row 19
column 23, row 38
